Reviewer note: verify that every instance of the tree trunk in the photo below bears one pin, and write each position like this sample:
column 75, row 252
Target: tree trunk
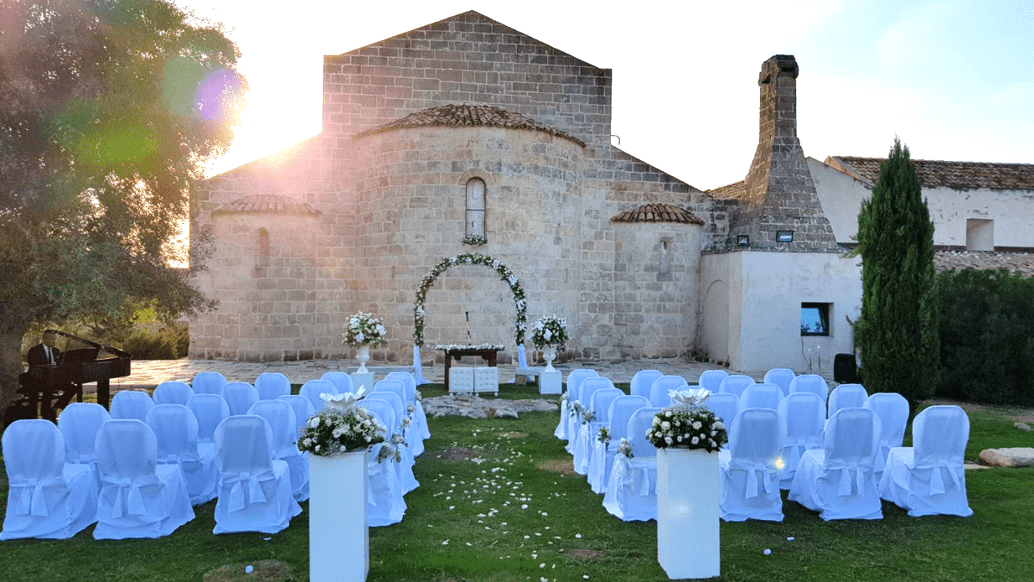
column 11, row 332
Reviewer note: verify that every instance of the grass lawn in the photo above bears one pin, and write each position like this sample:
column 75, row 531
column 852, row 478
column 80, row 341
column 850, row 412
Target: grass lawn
column 498, row 502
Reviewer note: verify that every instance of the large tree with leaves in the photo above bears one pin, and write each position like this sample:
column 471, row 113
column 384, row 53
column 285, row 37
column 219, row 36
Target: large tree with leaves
column 898, row 328
column 108, row 111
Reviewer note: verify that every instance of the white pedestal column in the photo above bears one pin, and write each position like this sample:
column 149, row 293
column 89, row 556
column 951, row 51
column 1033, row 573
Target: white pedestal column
column 687, row 513
column 362, row 379
column 549, row 382
column 339, row 538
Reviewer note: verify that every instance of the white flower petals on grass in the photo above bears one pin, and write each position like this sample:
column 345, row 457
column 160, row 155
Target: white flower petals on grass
column 768, row 552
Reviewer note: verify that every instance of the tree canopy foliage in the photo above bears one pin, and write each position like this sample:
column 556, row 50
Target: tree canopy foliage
column 108, row 111
column 898, row 328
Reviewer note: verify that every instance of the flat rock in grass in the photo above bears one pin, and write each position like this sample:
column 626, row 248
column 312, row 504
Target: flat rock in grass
column 477, row 407
column 1022, row 426
column 1008, row 457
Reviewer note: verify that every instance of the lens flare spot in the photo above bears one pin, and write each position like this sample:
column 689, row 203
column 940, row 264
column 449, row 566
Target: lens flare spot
column 215, row 94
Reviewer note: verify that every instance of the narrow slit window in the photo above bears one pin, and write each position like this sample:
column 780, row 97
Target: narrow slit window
column 263, row 256
column 475, row 208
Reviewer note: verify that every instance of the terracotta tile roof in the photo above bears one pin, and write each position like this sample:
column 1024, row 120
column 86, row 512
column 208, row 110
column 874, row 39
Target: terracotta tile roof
column 732, row 191
column 267, row 204
column 958, row 260
column 657, row 213
column 956, row 175
column 454, row 115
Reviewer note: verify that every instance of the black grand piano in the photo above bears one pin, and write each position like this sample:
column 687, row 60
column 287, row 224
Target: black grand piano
column 50, row 387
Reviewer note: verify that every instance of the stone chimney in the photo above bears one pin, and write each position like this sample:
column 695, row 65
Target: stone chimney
column 779, row 194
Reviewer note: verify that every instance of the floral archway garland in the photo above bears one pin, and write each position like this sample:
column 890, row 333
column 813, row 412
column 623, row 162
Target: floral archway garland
column 471, row 259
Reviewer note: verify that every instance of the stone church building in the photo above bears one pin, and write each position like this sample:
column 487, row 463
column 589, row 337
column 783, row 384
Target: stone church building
column 468, row 137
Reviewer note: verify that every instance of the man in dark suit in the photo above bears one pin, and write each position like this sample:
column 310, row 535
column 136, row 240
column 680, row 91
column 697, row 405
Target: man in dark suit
column 45, row 352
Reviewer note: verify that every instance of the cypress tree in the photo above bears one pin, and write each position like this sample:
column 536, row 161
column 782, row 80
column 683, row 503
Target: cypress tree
column 898, row 329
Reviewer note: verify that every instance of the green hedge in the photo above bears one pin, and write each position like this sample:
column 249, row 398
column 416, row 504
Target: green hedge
column 167, row 343
column 987, row 337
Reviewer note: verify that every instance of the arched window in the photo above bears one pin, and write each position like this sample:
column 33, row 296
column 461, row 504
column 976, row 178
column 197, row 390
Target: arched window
column 475, row 208
column 263, row 256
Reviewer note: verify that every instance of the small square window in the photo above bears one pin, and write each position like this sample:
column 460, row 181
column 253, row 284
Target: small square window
column 815, row 318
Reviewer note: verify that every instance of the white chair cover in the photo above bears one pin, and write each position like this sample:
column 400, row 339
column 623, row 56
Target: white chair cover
column 599, row 404
column 414, row 444
column 386, row 413
column 209, row 410
column 172, row 392
column 385, row 504
column 272, row 385
column 893, row 410
column 780, row 377
column 208, row 383
column 342, row 382
column 811, row 383
column 712, row 379
column 618, row 413
column 239, row 397
column 418, row 416
column 837, row 480
column 139, row 498
column 131, row 404
column 254, row 489
column 303, row 411
column 805, row 418
column 928, row 478
column 313, row 388
column 661, row 386
column 79, row 422
column 418, row 369
column 725, row 406
column 761, row 395
column 641, row 382
column 522, row 365
column 845, row 396
column 632, row 489
column 46, row 498
column 578, row 443
column 280, row 416
column 749, row 467
column 175, row 432
column 574, row 382
column 735, row 384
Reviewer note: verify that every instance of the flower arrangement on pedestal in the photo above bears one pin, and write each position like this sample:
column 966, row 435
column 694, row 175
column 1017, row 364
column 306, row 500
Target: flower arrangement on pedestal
column 340, row 427
column 688, row 424
column 549, row 334
column 362, row 331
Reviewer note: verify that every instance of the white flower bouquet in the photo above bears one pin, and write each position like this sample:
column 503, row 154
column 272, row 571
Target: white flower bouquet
column 340, row 427
column 688, row 424
column 625, row 448
column 588, row 416
column 604, row 436
column 550, row 331
column 364, row 329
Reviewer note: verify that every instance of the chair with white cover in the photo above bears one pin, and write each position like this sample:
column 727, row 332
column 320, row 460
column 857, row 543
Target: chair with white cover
column 418, row 417
column 811, row 383
column 281, row 418
column 599, row 404
column 139, row 497
column 523, row 369
column 342, row 382
column 47, row 498
column 172, row 392
column 175, row 432
column 78, row 423
column 928, row 478
column 620, row 410
column 837, row 480
column 131, row 404
column 712, row 379
column 578, row 443
column 659, row 390
column 761, row 395
column 313, row 388
column 893, row 410
column 641, row 382
column 565, row 429
column 805, row 430
column 846, row 395
column 385, row 503
column 209, row 410
column 414, row 440
column 254, row 489
column 780, row 377
column 239, row 397
column 749, row 467
column 385, row 411
column 303, row 411
column 632, row 488
column 725, row 405
column 735, row 384
column 208, row 383
column 272, row 385
column 405, row 424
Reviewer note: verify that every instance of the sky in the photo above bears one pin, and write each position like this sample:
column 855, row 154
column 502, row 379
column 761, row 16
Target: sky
column 954, row 80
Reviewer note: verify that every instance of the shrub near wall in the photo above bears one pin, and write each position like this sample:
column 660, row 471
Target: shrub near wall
column 166, row 343
column 987, row 337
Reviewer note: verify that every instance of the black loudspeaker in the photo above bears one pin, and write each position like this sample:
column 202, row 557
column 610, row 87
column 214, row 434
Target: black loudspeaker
column 845, row 369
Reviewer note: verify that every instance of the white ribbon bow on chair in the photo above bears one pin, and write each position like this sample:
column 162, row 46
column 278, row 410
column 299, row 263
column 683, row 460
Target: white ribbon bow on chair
column 128, row 496
column 255, row 493
column 847, row 482
column 32, row 500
